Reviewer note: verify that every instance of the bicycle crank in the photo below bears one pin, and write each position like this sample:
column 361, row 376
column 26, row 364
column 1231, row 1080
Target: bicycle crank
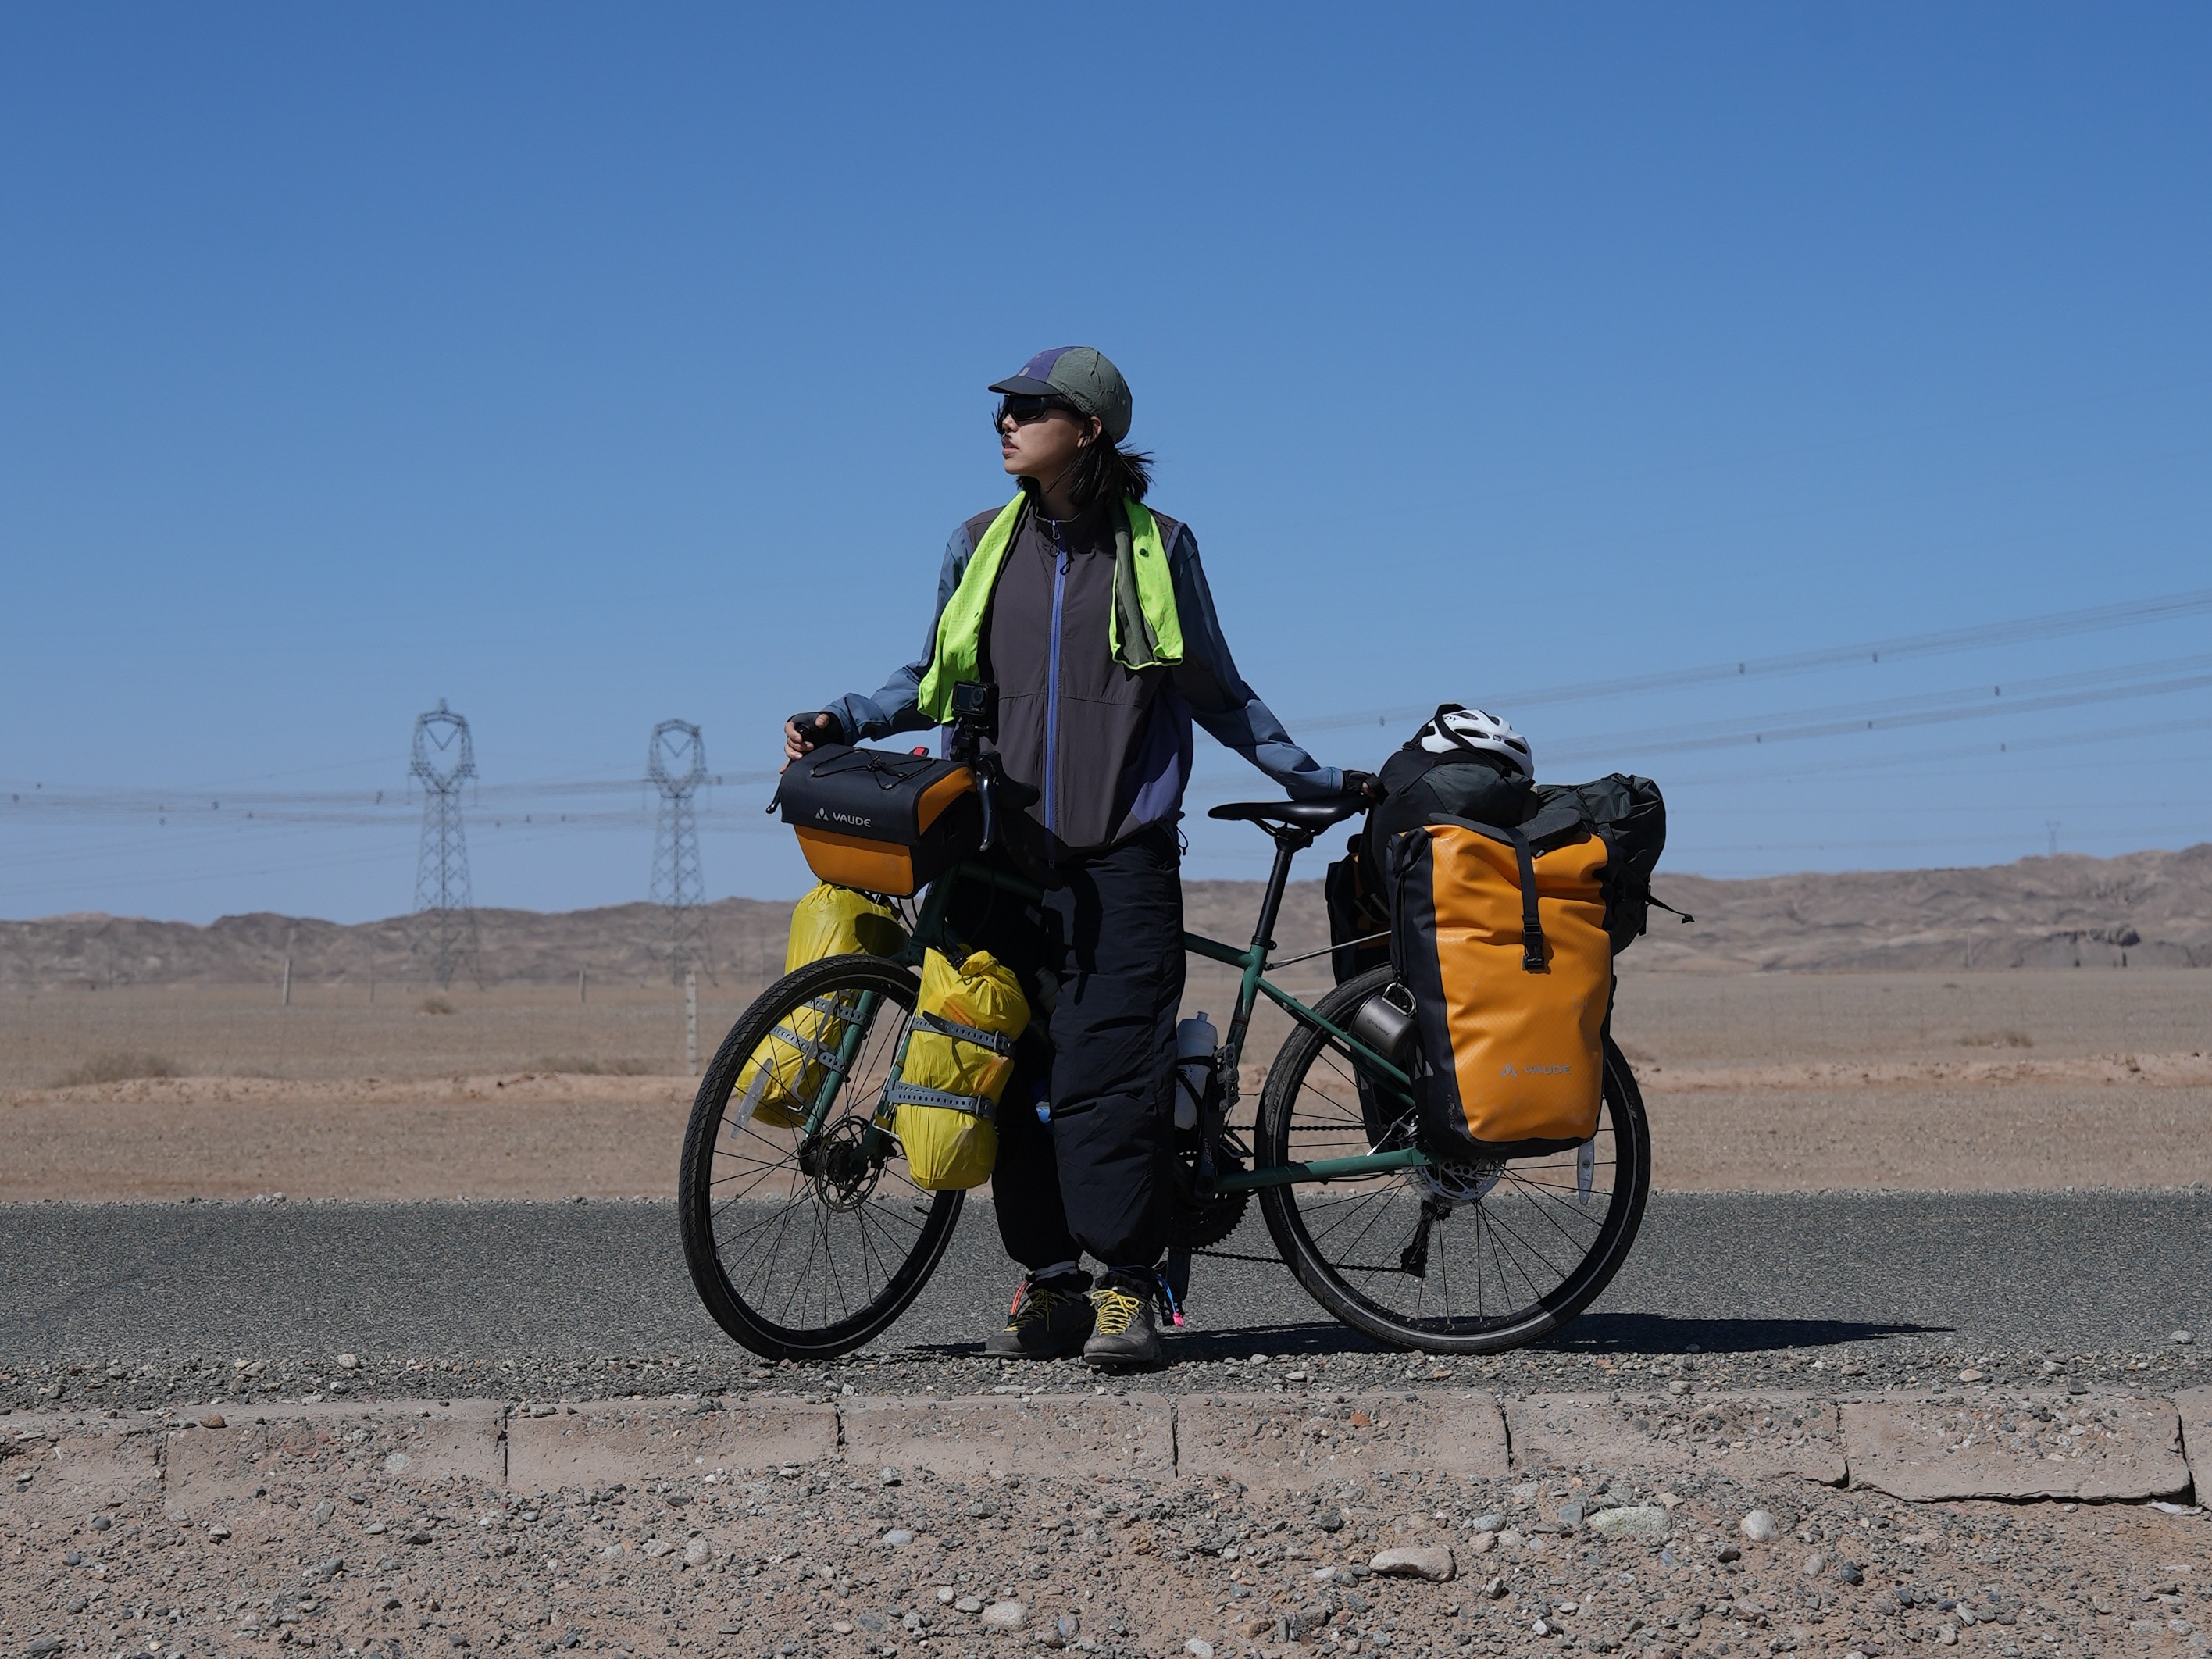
column 1199, row 1225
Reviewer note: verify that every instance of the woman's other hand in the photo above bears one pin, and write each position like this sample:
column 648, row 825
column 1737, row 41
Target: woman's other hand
column 803, row 731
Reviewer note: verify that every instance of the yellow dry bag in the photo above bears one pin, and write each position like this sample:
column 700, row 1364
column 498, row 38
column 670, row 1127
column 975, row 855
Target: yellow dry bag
column 959, row 1054
column 782, row 1076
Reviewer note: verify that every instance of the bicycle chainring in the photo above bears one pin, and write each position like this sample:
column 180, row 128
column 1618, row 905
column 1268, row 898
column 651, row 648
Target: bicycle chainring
column 1198, row 1227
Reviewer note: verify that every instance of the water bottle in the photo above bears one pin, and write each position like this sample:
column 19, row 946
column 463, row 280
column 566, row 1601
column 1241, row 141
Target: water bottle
column 1195, row 1041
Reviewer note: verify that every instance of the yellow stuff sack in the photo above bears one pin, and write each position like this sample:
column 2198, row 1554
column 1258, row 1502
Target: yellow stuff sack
column 959, row 1053
column 782, row 1076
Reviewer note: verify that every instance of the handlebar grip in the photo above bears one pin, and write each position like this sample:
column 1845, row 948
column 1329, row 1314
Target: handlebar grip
column 807, row 724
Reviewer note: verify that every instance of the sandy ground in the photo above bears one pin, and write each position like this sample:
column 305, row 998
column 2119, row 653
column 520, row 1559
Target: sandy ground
column 1993, row 1126
column 1765, row 1082
column 335, row 1034
column 330, row 1541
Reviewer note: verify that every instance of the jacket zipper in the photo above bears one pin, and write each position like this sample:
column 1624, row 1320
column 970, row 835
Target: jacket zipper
column 1052, row 676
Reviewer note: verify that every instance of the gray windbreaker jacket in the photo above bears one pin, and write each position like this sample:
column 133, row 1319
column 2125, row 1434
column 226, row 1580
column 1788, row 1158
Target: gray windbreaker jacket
column 1108, row 749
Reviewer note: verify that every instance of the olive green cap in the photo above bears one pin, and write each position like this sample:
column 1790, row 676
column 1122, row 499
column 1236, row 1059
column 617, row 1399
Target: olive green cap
column 1081, row 377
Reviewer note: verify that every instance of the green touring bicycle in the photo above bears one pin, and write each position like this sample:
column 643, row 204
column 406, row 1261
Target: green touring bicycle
column 808, row 1238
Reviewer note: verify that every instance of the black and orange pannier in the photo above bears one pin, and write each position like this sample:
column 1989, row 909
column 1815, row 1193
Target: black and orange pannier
column 878, row 820
column 1500, row 934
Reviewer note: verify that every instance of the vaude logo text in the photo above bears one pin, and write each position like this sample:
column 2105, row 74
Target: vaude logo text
column 853, row 818
column 1538, row 1071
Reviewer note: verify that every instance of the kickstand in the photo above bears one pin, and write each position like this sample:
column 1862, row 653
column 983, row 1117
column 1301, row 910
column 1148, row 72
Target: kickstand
column 1177, row 1274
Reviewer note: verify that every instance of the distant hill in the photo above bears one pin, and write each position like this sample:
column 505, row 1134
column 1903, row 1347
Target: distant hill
column 619, row 944
column 2154, row 909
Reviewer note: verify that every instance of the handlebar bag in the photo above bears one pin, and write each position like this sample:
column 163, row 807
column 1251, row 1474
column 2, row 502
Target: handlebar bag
column 780, row 1078
column 1499, row 933
column 959, row 1055
column 880, row 821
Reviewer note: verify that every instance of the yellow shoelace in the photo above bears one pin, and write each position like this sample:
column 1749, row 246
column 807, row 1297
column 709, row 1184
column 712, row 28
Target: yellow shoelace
column 1038, row 1304
column 1115, row 1309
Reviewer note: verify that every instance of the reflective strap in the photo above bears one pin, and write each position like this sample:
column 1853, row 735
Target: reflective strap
column 909, row 1094
column 993, row 1041
column 819, row 1054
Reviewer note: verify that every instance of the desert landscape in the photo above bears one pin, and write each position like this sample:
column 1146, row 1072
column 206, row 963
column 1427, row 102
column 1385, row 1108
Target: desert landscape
column 1806, row 1033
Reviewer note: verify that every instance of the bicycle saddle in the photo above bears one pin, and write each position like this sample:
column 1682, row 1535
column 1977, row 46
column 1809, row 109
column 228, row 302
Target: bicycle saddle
column 1305, row 814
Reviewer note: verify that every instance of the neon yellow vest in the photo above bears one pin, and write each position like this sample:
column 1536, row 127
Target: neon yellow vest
column 1143, row 629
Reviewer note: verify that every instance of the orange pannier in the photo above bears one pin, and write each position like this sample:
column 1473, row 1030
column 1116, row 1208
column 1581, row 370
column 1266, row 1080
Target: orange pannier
column 1500, row 935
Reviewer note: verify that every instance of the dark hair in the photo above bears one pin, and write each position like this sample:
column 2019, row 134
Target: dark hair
column 1103, row 469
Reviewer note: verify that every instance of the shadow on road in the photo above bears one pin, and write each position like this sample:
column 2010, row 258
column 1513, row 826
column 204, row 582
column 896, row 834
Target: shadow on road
column 1601, row 1333
column 1277, row 1342
column 1657, row 1333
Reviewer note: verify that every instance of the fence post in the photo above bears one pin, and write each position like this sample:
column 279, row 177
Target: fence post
column 287, row 981
column 691, row 1022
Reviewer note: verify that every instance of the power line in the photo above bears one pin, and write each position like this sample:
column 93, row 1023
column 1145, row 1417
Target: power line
column 2053, row 625
column 1932, row 708
column 1919, row 759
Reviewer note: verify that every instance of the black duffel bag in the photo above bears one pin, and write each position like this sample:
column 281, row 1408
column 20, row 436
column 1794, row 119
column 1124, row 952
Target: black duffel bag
column 1628, row 814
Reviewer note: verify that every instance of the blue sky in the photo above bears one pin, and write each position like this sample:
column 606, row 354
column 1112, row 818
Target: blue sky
column 590, row 367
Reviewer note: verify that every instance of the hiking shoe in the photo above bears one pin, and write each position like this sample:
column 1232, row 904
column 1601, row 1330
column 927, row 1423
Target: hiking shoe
column 1049, row 1321
column 1127, row 1332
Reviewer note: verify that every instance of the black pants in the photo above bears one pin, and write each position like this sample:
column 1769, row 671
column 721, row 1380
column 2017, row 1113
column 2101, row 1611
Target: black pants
column 1106, row 947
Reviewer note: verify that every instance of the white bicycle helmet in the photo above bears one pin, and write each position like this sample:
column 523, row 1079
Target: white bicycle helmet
column 1455, row 727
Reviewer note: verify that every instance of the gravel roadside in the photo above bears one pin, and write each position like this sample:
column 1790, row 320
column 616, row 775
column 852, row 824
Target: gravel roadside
column 1202, row 1365
column 339, row 1553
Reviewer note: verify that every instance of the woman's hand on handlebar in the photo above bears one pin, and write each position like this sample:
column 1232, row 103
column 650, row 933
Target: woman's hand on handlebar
column 803, row 731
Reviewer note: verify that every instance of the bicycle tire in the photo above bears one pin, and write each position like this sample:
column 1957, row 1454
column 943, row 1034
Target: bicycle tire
column 1327, row 1266
column 734, row 1165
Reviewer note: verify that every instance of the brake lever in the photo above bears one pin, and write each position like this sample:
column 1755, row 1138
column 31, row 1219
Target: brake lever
column 987, row 787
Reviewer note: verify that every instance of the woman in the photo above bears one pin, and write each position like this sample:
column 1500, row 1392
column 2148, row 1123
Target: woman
column 1091, row 615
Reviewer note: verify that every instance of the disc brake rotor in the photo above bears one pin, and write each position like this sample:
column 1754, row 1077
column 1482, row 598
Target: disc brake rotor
column 839, row 1167
column 1457, row 1184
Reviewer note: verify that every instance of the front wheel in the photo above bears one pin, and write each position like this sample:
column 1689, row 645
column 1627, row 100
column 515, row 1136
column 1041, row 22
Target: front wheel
column 1473, row 1260
column 804, row 1233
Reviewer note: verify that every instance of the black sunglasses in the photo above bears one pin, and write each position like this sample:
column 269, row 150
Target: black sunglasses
column 1025, row 407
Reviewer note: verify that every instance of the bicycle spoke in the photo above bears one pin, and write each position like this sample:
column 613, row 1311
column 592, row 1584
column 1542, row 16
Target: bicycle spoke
column 798, row 1252
column 1449, row 1252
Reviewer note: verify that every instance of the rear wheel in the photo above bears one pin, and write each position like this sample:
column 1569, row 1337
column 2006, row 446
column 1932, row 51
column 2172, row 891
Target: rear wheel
column 1471, row 1260
column 806, row 1246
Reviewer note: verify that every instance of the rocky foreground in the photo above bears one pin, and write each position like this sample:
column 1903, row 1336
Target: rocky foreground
column 1268, row 1526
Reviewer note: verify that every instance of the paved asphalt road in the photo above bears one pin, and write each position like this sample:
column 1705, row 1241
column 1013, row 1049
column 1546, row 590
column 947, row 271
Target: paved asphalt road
column 1730, row 1273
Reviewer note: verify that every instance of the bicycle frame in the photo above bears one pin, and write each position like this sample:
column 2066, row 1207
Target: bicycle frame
column 929, row 930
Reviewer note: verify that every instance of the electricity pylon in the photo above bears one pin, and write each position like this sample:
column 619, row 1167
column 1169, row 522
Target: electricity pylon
column 442, row 932
column 676, row 764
